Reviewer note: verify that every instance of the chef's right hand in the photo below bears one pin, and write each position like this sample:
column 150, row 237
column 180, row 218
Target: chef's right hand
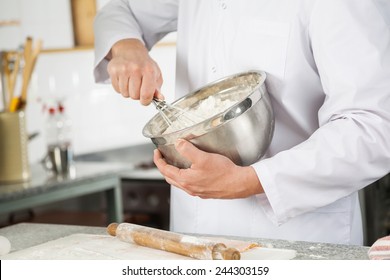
column 133, row 72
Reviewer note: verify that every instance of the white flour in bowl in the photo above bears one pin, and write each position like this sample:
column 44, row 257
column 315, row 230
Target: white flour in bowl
column 206, row 109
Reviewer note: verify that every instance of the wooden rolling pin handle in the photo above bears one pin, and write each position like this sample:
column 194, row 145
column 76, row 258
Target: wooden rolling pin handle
column 111, row 229
column 220, row 252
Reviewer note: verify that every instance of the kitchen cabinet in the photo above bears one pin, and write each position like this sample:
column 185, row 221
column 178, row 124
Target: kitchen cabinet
column 45, row 188
column 83, row 14
column 146, row 201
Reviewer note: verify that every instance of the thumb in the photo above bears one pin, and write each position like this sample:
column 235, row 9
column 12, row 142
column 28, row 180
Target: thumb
column 158, row 94
column 190, row 152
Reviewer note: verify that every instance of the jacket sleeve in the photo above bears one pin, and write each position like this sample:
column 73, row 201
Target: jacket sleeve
column 146, row 20
column 351, row 148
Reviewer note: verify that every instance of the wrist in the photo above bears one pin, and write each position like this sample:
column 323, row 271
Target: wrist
column 125, row 45
column 252, row 181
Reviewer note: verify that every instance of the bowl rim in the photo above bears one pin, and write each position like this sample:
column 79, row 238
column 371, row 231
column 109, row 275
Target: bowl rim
column 263, row 77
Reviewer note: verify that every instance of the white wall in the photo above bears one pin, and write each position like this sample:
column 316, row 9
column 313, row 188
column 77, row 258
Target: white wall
column 50, row 20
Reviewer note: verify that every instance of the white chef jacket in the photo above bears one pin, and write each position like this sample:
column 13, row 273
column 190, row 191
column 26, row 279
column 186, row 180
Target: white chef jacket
column 328, row 76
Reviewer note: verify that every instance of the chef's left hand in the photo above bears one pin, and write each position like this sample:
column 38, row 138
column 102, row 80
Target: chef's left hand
column 210, row 175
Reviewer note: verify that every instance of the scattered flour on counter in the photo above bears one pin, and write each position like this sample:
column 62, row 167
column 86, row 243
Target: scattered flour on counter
column 316, row 257
column 206, row 109
column 5, row 245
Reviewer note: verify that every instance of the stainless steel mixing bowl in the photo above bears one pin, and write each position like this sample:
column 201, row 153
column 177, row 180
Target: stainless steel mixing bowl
column 242, row 132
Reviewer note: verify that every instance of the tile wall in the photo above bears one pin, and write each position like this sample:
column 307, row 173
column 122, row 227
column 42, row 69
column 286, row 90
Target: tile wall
column 46, row 19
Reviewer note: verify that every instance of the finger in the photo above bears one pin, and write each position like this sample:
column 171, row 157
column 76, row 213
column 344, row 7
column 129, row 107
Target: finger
column 175, row 176
column 115, row 83
column 179, row 186
column 157, row 155
column 158, row 160
column 190, row 152
column 174, row 183
column 166, row 169
column 123, row 84
column 134, row 86
column 180, row 177
column 148, row 88
column 160, row 163
column 160, row 79
column 159, row 95
column 113, row 77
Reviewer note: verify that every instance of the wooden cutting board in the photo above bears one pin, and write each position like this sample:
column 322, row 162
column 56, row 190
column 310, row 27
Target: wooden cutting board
column 104, row 247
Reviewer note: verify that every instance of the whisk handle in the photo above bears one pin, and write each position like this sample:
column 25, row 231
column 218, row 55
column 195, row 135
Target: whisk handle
column 160, row 104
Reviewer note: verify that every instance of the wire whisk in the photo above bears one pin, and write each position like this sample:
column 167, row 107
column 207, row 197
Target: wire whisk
column 175, row 117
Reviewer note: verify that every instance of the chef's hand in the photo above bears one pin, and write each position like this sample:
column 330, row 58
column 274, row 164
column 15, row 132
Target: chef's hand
column 133, row 72
column 210, row 175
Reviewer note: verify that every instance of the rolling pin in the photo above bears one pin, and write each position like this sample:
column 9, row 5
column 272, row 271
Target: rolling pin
column 185, row 245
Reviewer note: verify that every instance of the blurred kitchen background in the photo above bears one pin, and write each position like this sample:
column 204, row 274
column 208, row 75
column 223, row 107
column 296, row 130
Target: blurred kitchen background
column 106, row 127
column 101, row 119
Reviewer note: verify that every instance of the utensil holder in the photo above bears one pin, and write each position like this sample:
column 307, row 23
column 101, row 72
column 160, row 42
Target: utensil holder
column 14, row 163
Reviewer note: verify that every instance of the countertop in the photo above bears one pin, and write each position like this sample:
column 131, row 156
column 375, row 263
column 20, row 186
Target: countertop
column 42, row 181
column 134, row 162
column 26, row 235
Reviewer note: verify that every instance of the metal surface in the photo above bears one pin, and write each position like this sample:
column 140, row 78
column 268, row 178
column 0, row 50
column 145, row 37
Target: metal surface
column 44, row 189
column 175, row 117
column 59, row 158
column 242, row 132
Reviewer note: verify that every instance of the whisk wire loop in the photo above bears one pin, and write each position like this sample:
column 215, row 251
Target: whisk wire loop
column 175, row 117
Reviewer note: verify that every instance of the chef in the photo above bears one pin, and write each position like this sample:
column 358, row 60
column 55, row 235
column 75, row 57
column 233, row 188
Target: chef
column 328, row 75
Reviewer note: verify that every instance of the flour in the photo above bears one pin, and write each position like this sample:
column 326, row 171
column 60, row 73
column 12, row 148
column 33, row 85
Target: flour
column 94, row 247
column 193, row 240
column 5, row 245
column 207, row 108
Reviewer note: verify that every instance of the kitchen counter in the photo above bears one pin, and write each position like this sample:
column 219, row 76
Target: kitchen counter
column 85, row 178
column 26, row 235
column 91, row 173
column 42, row 181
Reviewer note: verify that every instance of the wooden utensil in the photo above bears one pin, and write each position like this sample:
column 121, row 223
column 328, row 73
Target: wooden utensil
column 14, row 75
column 15, row 103
column 7, row 71
column 33, row 59
column 3, row 81
column 173, row 242
column 3, row 78
column 30, row 57
column 11, row 73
